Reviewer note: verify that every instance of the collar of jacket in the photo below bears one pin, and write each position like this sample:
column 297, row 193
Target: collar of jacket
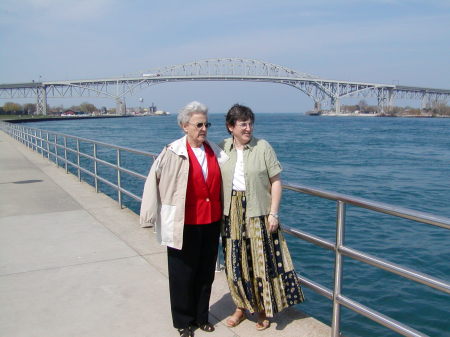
column 179, row 148
column 229, row 145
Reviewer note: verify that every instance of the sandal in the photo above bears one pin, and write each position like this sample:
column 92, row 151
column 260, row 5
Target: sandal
column 186, row 332
column 263, row 323
column 232, row 321
column 208, row 327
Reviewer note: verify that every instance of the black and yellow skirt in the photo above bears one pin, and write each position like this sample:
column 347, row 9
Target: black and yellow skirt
column 259, row 269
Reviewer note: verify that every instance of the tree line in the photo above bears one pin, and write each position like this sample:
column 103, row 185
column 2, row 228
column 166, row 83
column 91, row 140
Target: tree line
column 435, row 108
column 11, row 108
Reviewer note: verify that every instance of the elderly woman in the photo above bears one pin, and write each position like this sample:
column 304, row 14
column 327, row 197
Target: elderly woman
column 182, row 199
column 258, row 265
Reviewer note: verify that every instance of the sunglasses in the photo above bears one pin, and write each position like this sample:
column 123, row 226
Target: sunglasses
column 200, row 125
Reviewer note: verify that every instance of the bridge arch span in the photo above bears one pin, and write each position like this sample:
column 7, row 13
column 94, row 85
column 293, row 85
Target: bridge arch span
column 227, row 67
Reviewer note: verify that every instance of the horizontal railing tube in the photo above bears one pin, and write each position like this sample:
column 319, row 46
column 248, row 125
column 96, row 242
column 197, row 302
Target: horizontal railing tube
column 321, row 290
column 308, row 237
column 396, row 269
column 374, row 206
column 379, row 318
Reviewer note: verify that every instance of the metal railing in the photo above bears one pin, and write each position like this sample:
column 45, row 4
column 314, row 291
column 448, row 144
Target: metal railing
column 341, row 250
column 46, row 143
column 49, row 145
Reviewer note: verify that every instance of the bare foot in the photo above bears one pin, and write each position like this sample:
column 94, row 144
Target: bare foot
column 237, row 317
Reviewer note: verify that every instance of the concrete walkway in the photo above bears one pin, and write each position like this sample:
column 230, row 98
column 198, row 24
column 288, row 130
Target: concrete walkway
column 72, row 263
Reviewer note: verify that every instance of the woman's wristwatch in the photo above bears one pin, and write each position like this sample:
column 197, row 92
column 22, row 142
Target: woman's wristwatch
column 275, row 215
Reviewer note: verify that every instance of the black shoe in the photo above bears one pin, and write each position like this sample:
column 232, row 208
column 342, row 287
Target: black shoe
column 208, row 327
column 186, row 332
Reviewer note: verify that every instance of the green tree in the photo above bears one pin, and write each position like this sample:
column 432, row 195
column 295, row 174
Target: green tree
column 439, row 108
column 29, row 108
column 362, row 105
column 12, row 108
column 55, row 110
column 75, row 108
column 87, row 107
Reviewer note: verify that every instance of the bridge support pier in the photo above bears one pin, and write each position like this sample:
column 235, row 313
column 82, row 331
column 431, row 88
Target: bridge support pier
column 41, row 101
column 425, row 102
column 337, row 105
column 385, row 98
column 121, row 108
column 317, row 107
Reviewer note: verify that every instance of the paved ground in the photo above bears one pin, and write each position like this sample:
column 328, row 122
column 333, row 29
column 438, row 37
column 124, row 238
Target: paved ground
column 72, row 263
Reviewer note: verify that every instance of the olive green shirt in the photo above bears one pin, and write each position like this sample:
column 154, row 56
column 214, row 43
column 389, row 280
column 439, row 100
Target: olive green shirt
column 260, row 164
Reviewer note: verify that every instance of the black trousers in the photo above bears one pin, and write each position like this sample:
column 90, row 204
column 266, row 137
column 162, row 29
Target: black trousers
column 191, row 274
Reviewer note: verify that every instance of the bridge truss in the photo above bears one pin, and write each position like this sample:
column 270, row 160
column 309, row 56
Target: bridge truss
column 323, row 92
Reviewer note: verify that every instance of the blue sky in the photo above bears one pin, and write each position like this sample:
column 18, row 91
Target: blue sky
column 385, row 41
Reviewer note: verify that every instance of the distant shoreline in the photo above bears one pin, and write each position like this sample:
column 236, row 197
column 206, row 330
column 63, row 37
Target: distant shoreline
column 375, row 115
column 59, row 118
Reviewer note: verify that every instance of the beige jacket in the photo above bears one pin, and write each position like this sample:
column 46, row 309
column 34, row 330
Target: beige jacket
column 164, row 195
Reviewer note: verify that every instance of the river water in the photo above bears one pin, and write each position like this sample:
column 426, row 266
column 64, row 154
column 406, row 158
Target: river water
column 400, row 161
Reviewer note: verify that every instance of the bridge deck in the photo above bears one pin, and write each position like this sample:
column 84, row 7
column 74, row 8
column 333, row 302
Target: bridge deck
column 73, row 264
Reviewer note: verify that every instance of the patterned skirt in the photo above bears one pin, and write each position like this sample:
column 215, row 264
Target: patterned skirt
column 258, row 265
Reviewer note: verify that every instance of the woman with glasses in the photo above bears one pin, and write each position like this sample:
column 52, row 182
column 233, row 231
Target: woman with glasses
column 258, row 265
column 182, row 199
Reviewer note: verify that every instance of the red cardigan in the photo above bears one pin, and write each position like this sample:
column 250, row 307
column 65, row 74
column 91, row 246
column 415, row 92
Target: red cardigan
column 203, row 205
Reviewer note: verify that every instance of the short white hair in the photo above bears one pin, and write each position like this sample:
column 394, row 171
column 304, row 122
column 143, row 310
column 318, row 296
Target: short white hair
column 190, row 109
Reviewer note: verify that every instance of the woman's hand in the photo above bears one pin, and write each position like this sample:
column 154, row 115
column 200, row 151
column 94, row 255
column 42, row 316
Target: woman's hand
column 272, row 223
column 275, row 191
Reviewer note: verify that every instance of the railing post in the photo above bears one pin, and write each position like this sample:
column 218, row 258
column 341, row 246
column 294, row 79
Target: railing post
column 338, row 266
column 65, row 155
column 56, row 150
column 119, row 186
column 30, row 139
column 27, row 138
column 95, row 168
column 48, row 146
column 78, row 159
column 42, row 145
column 24, row 137
column 35, row 141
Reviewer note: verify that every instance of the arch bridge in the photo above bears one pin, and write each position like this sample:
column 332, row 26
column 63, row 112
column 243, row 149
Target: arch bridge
column 323, row 92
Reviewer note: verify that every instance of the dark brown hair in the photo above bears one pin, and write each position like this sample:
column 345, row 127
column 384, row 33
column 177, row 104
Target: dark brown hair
column 238, row 113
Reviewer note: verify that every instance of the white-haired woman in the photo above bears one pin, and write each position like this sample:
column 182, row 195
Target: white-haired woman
column 182, row 199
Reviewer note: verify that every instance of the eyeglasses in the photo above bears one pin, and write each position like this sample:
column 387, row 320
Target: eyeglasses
column 244, row 125
column 200, row 125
